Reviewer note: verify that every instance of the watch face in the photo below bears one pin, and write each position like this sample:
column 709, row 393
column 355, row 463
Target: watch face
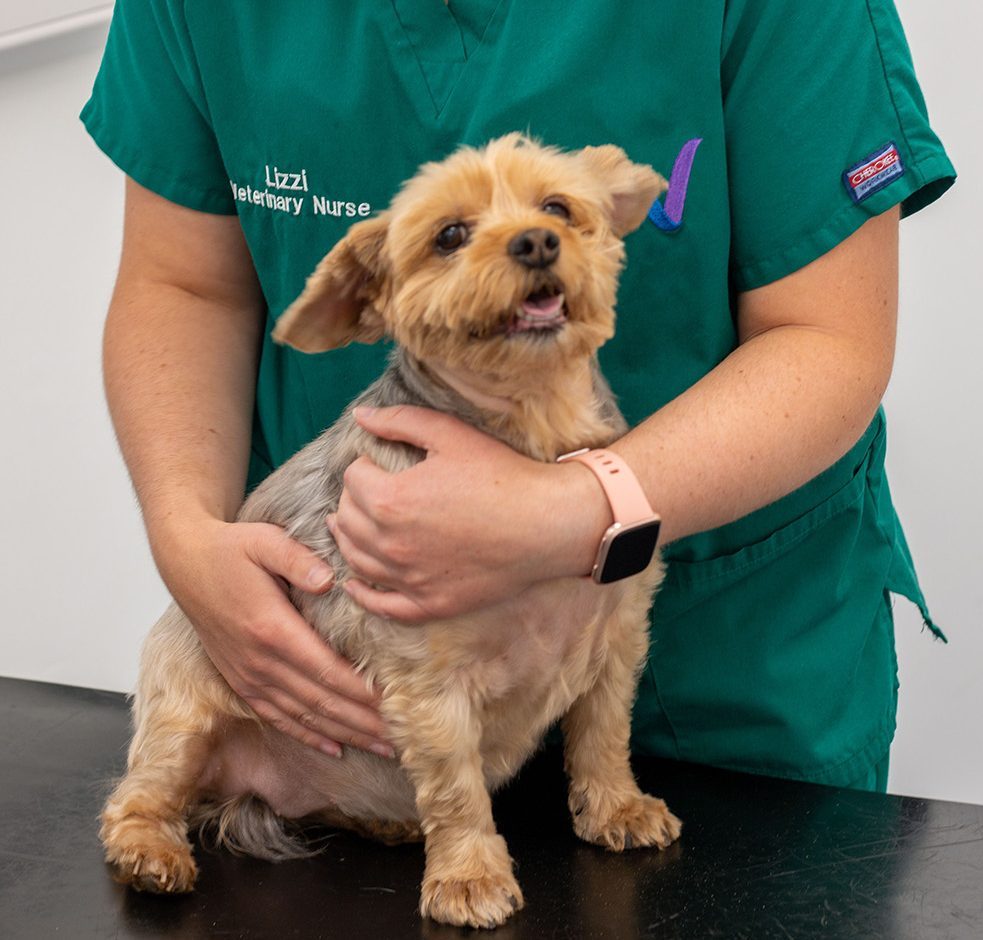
column 627, row 551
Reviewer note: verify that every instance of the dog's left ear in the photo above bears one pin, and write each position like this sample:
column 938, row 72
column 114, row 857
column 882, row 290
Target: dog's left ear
column 343, row 299
column 633, row 186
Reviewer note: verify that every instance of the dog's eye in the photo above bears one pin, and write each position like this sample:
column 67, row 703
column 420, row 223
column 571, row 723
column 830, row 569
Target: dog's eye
column 451, row 237
column 558, row 208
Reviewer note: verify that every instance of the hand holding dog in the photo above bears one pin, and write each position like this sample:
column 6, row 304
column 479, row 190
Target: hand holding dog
column 474, row 524
column 263, row 648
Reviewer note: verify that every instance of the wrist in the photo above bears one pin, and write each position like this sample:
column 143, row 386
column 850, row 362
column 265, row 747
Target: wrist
column 173, row 533
column 586, row 515
column 628, row 545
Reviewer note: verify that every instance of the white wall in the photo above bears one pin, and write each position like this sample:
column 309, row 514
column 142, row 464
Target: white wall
column 935, row 412
column 78, row 590
column 77, row 586
column 28, row 20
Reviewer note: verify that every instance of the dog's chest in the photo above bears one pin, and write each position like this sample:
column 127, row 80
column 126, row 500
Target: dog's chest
column 545, row 645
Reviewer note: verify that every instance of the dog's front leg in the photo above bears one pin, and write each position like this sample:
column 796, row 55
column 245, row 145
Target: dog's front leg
column 180, row 698
column 607, row 806
column 468, row 878
column 144, row 828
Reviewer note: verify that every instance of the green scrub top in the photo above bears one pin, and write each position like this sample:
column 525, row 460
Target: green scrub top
column 783, row 126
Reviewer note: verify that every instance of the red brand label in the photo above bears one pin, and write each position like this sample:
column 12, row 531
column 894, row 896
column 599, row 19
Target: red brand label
column 874, row 173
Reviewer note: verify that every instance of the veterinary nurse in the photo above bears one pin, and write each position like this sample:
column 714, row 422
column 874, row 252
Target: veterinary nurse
column 755, row 339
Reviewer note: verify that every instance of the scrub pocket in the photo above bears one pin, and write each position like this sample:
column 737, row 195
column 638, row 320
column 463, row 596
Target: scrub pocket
column 779, row 658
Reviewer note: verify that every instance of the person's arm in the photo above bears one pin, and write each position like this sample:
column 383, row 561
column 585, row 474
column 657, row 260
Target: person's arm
column 464, row 528
column 815, row 356
column 181, row 347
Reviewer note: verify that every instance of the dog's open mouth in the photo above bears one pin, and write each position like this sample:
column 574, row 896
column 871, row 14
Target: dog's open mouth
column 542, row 311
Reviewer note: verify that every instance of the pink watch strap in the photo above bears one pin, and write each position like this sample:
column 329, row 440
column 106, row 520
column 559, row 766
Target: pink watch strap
column 621, row 486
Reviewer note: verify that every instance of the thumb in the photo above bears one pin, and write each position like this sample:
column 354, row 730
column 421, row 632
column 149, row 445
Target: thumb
column 409, row 424
column 272, row 549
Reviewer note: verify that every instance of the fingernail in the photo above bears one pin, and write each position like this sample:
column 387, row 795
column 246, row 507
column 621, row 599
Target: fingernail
column 363, row 411
column 320, row 576
column 383, row 750
column 330, row 748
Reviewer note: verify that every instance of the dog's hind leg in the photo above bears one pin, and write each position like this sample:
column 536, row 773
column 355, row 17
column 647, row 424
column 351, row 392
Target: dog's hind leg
column 180, row 699
column 607, row 806
column 468, row 878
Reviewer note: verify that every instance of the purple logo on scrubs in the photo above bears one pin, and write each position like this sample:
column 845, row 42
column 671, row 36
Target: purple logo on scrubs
column 669, row 216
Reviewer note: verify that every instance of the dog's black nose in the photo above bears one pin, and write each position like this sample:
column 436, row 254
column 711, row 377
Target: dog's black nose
column 535, row 247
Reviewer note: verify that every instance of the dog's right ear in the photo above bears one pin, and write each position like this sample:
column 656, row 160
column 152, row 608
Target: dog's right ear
column 343, row 299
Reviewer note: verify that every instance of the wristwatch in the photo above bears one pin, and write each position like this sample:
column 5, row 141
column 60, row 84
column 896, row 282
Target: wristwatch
column 628, row 545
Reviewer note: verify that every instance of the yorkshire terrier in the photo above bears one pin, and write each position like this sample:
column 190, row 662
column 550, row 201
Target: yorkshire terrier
column 495, row 272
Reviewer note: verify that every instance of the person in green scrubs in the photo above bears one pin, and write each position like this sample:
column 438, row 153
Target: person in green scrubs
column 756, row 322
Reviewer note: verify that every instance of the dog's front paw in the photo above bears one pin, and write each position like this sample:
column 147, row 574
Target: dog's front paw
column 167, row 870
column 161, row 869
column 639, row 821
column 479, row 902
column 149, row 855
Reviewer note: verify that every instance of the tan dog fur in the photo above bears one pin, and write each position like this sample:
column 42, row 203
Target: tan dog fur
column 466, row 699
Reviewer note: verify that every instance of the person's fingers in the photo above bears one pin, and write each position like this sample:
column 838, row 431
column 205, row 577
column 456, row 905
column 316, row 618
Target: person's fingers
column 360, row 551
column 281, row 721
column 340, row 719
column 316, row 712
column 421, row 427
column 363, row 482
column 272, row 549
column 305, row 653
column 389, row 604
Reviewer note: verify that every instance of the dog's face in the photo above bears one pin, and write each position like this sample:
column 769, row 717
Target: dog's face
column 499, row 261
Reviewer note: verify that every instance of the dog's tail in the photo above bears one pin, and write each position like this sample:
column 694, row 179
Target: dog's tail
column 245, row 825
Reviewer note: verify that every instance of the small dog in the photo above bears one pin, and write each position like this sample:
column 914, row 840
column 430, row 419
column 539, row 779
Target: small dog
column 494, row 270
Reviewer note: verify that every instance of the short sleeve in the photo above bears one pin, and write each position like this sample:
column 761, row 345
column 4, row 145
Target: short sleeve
column 148, row 110
column 826, row 127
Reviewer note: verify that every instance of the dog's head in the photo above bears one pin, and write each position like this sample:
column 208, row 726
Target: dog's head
column 497, row 260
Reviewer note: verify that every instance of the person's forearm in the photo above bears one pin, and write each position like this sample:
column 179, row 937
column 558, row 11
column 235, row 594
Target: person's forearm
column 815, row 356
column 778, row 411
column 180, row 376
column 182, row 343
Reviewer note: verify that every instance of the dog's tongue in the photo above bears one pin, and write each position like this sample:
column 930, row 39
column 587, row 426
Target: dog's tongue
column 540, row 311
column 543, row 308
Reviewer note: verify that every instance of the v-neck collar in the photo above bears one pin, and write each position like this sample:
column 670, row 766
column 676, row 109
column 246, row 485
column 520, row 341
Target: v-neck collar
column 472, row 18
column 443, row 37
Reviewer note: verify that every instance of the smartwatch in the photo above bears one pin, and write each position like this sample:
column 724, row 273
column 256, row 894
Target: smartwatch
column 629, row 543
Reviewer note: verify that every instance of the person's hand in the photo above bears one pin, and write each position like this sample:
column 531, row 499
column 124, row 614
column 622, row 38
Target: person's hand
column 473, row 524
column 228, row 579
